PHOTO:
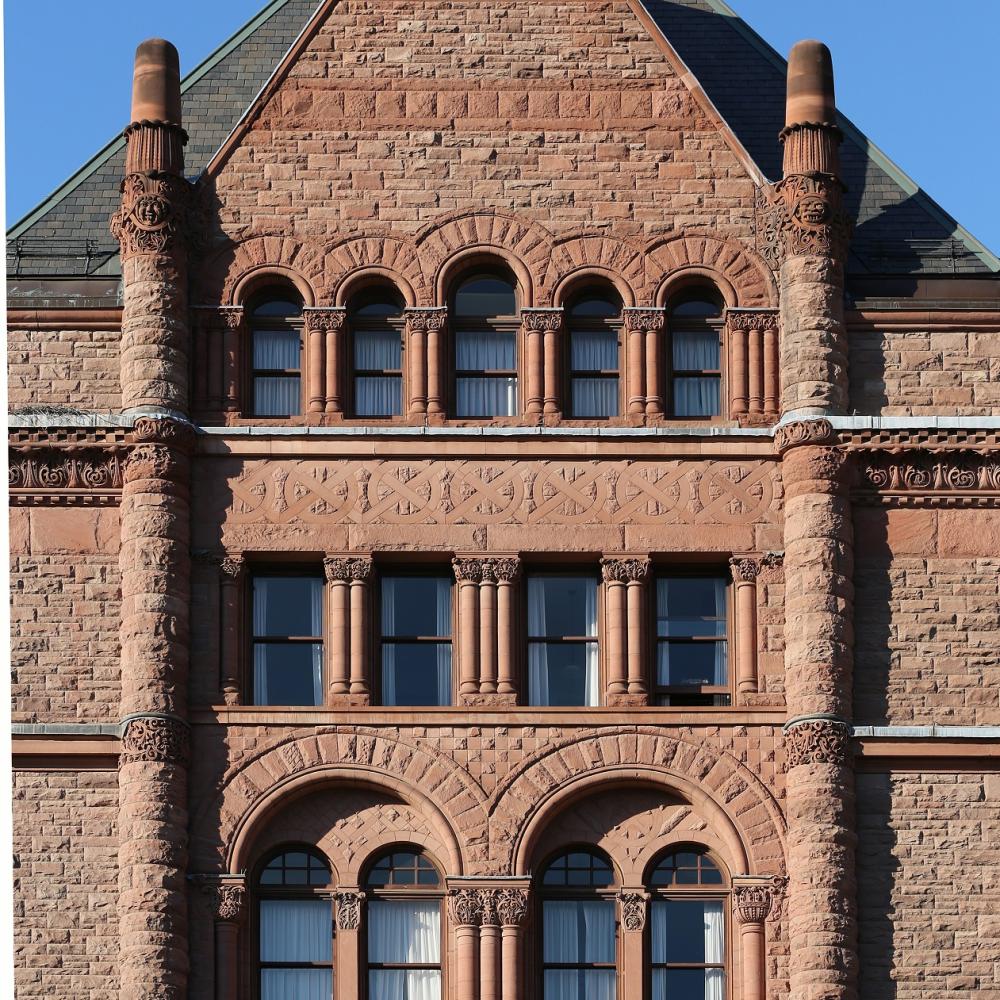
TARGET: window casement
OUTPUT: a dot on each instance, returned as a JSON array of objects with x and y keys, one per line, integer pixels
[
  {"x": 376, "y": 326},
  {"x": 287, "y": 638},
  {"x": 416, "y": 640},
  {"x": 485, "y": 330},
  {"x": 694, "y": 378},
  {"x": 692, "y": 644},
  {"x": 579, "y": 929},
  {"x": 563, "y": 661},
  {"x": 594, "y": 324},
  {"x": 295, "y": 927},
  {"x": 403, "y": 913},
  {"x": 687, "y": 928},
  {"x": 275, "y": 375}
]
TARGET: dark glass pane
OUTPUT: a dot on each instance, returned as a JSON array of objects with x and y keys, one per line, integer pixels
[
  {"x": 562, "y": 605},
  {"x": 710, "y": 875},
  {"x": 285, "y": 674},
  {"x": 416, "y": 605},
  {"x": 425, "y": 877},
  {"x": 689, "y": 699},
  {"x": 295, "y": 876},
  {"x": 593, "y": 305},
  {"x": 565, "y": 667},
  {"x": 377, "y": 305},
  {"x": 703, "y": 306},
  {"x": 270, "y": 877},
  {"x": 689, "y": 606},
  {"x": 680, "y": 664},
  {"x": 684, "y": 928},
  {"x": 486, "y": 295},
  {"x": 686, "y": 859},
  {"x": 296, "y": 860},
  {"x": 486, "y": 397},
  {"x": 285, "y": 605},
  {"x": 318, "y": 877},
  {"x": 278, "y": 307},
  {"x": 276, "y": 350},
  {"x": 416, "y": 673},
  {"x": 378, "y": 876},
  {"x": 679, "y": 984},
  {"x": 404, "y": 876}
]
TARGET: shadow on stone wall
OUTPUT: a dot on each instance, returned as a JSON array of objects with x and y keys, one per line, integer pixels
[{"x": 873, "y": 659}]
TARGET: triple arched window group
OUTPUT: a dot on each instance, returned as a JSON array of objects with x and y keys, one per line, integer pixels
[
  {"x": 574, "y": 950},
  {"x": 483, "y": 356}
]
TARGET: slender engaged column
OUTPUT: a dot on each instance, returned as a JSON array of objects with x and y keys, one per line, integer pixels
[
  {"x": 232, "y": 570},
  {"x": 756, "y": 370},
  {"x": 655, "y": 375},
  {"x": 233, "y": 334},
  {"x": 752, "y": 901},
  {"x": 632, "y": 905},
  {"x": 738, "y": 378},
  {"x": 416, "y": 345},
  {"x": 512, "y": 907},
  {"x": 635, "y": 361},
  {"x": 360, "y": 569},
  {"x": 772, "y": 390},
  {"x": 464, "y": 907},
  {"x": 635, "y": 601},
  {"x": 746, "y": 331},
  {"x": 507, "y": 571},
  {"x": 489, "y": 946},
  {"x": 339, "y": 573},
  {"x": 468, "y": 574},
  {"x": 614, "y": 588},
  {"x": 745, "y": 572},
  {"x": 435, "y": 320},
  {"x": 541, "y": 333},
  {"x": 229, "y": 905},
  {"x": 488, "y": 629},
  {"x": 553, "y": 369},
  {"x": 324, "y": 325},
  {"x": 350, "y": 904}
]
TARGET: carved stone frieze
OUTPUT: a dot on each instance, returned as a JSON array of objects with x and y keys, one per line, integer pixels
[
  {"x": 802, "y": 432},
  {"x": 349, "y": 903},
  {"x": 155, "y": 738},
  {"x": 633, "y": 910},
  {"x": 817, "y": 741},
  {"x": 512, "y": 906},
  {"x": 541, "y": 320},
  {"x": 324, "y": 318},
  {"x": 465, "y": 906},
  {"x": 154, "y": 214},
  {"x": 46, "y": 469},
  {"x": 961, "y": 475},
  {"x": 633, "y": 570},
  {"x": 426, "y": 319},
  {"x": 348, "y": 568}
]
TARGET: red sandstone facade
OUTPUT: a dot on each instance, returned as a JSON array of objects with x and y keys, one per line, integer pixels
[{"x": 842, "y": 776}]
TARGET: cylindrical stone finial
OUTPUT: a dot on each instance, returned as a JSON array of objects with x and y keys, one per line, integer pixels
[
  {"x": 810, "y": 95},
  {"x": 156, "y": 83}
]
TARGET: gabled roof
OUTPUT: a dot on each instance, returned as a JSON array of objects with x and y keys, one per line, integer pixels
[{"x": 899, "y": 230}]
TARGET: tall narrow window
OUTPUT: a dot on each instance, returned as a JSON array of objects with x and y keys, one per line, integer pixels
[
  {"x": 687, "y": 930},
  {"x": 578, "y": 928},
  {"x": 295, "y": 928},
  {"x": 562, "y": 640},
  {"x": 276, "y": 378},
  {"x": 485, "y": 325},
  {"x": 376, "y": 329},
  {"x": 404, "y": 928},
  {"x": 691, "y": 646},
  {"x": 594, "y": 321},
  {"x": 287, "y": 640},
  {"x": 695, "y": 323},
  {"x": 416, "y": 640}
]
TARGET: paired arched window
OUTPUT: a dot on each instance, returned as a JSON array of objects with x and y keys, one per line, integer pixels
[
  {"x": 276, "y": 353},
  {"x": 295, "y": 927},
  {"x": 404, "y": 891},
  {"x": 484, "y": 316},
  {"x": 694, "y": 381},
  {"x": 376, "y": 322},
  {"x": 593, "y": 323}
]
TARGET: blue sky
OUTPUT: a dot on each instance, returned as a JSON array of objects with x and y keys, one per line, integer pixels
[{"x": 918, "y": 76}]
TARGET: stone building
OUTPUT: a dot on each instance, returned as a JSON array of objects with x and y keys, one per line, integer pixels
[{"x": 509, "y": 513}]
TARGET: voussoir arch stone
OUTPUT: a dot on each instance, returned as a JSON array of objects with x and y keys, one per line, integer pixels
[
  {"x": 588, "y": 254},
  {"x": 396, "y": 257}
]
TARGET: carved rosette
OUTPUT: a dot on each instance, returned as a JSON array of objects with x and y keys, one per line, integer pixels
[
  {"x": 426, "y": 319},
  {"x": 752, "y": 902},
  {"x": 541, "y": 320},
  {"x": 817, "y": 741},
  {"x": 153, "y": 215},
  {"x": 323, "y": 319},
  {"x": 163, "y": 740},
  {"x": 633, "y": 910},
  {"x": 643, "y": 319},
  {"x": 634, "y": 570},
  {"x": 744, "y": 569},
  {"x": 349, "y": 903},
  {"x": 512, "y": 906},
  {"x": 228, "y": 901},
  {"x": 803, "y": 432},
  {"x": 465, "y": 907},
  {"x": 349, "y": 569},
  {"x": 802, "y": 215},
  {"x": 468, "y": 570}
]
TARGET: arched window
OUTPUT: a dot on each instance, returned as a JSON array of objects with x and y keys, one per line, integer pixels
[
  {"x": 694, "y": 320},
  {"x": 376, "y": 319},
  {"x": 404, "y": 927},
  {"x": 276, "y": 354},
  {"x": 578, "y": 928},
  {"x": 594, "y": 324},
  {"x": 687, "y": 926},
  {"x": 295, "y": 924},
  {"x": 485, "y": 325}
]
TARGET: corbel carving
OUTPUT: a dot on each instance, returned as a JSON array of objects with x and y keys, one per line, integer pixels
[
  {"x": 744, "y": 568},
  {"x": 817, "y": 741},
  {"x": 232, "y": 568},
  {"x": 802, "y": 432},
  {"x": 228, "y": 901},
  {"x": 752, "y": 319},
  {"x": 801, "y": 215},
  {"x": 349, "y": 903},
  {"x": 633, "y": 910},
  {"x": 161, "y": 739}
]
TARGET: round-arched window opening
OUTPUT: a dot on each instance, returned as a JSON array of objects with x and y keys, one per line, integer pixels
[
  {"x": 276, "y": 354},
  {"x": 694, "y": 383},
  {"x": 594, "y": 325},
  {"x": 376, "y": 322}
]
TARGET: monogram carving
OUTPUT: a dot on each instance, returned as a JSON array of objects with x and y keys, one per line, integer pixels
[
  {"x": 349, "y": 903},
  {"x": 625, "y": 570},
  {"x": 63, "y": 469},
  {"x": 752, "y": 902},
  {"x": 465, "y": 907},
  {"x": 802, "y": 432},
  {"x": 324, "y": 319},
  {"x": 512, "y": 906},
  {"x": 511, "y": 492},
  {"x": 347, "y": 569},
  {"x": 633, "y": 910},
  {"x": 153, "y": 214},
  {"x": 643, "y": 319},
  {"x": 967, "y": 473},
  {"x": 541, "y": 320},
  {"x": 817, "y": 741},
  {"x": 426, "y": 319},
  {"x": 152, "y": 738}
]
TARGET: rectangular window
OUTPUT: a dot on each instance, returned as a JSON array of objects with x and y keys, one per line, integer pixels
[
  {"x": 416, "y": 640},
  {"x": 687, "y": 950},
  {"x": 378, "y": 372},
  {"x": 287, "y": 640},
  {"x": 691, "y": 648},
  {"x": 296, "y": 949},
  {"x": 578, "y": 949},
  {"x": 562, "y": 640},
  {"x": 485, "y": 373},
  {"x": 697, "y": 377},
  {"x": 276, "y": 373},
  {"x": 593, "y": 359},
  {"x": 404, "y": 949}
]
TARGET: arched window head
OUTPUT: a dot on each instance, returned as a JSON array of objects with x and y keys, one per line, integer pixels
[
  {"x": 276, "y": 353},
  {"x": 687, "y": 926},
  {"x": 404, "y": 890},
  {"x": 484, "y": 327},
  {"x": 593, "y": 319},
  {"x": 579, "y": 943},
  {"x": 376, "y": 321},
  {"x": 294, "y": 917},
  {"x": 694, "y": 321}
]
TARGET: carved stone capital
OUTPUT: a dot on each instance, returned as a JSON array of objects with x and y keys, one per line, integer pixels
[
  {"x": 488, "y": 915},
  {"x": 632, "y": 570},
  {"x": 426, "y": 319},
  {"x": 349, "y": 903},
  {"x": 348, "y": 569},
  {"x": 465, "y": 907},
  {"x": 752, "y": 902},
  {"x": 163, "y": 740},
  {"x": 153, "y": 217},
  {"x": 468, "y": 570},
  {"x": 541, "y": 320},
  {"x": 505, "y": 570},
  {"x": 230, "y": 317},
  {"x": 512, "y": 906},
  {"x": 744, "y": 569},
  {"x": 752, "y": 319},
  {"x": 323, "y": 319},
  {"x": 817, "y": 741},
  {"x": 228, "y": 901},
  {"x": 633, "y": 910},
  {"x": 163, "y": 430},
  {"x": 232, "y": 568},
  {"x": 643, "y": 318},
  {"x": 802, "y": 215},
  {"x": 802, "y": 432}
]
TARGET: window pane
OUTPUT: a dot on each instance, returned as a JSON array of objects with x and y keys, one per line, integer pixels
[
  {"x": 485, "y": 350},
  {"x": 377, "y": 350},
  {"x": 296, "y": 984},
  {"x": 595, "y": 397},
  {"x": 277, "y": 396},
  {"x": 287, "y": 605},
  {"x": 595, "y": 306},
  {"x": 276, "y": 349},
  {"x": 687, "y": 931},
  {"x": 404, "y": 984},
  {"x": 404, "y": 932},
  {"x": 688, "y": 984},
  {"x": 286, "y": 673},
  {"x": 562, "y": 605},
  {"x": 416, "y": 673},
  {"x": 689, "y": 663},
  {"x": 562, "y": 673},
  {"x": 378, "y": 396},
  {"x": 486, "y": 295},
  {"x": 416, "y": 605},
  {"x": 593, "y": 350},
  {"x": 697, "y": 308},
  {"x": 578, "y": 931},
  {"x": 295, "y": 930},
  {"x": 378, "y": 307},
  {"x": 578, "y": 868},
  {"x": 690, "y": 605},
  {"x": 580, "y": 984},
  {"x": 278, "y": 307},
  {"x": 696, "y": 397},
  {"x": 486, "y": 397}
]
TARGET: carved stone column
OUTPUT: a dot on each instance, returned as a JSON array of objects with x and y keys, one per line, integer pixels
[
  {"x": 325, "y": 358},
  {"x": 417, "y": 321},
  {"x": 506, "y": 571},
  {"x": 464, "y": 908},
  {"x": 350, "y": 904},
  {"x": 745, "y": 571},
  {"x": 627, "y": 632},
  {"x": 430, "y": 323},
  {"x": 818, "y": 565},
  {"x": 488, "y": 629},
  {"x": 489, "y": 946},
  {"x": 232, "y": 570},
  {"x": 632, "y": 907},
  {"x": 512, "y": 907},
  {"x": 215, "y": 376},
  {"x": 752, "y": 339},
  {"x": 350, "y": 608},
  {"x": 643, "y": 378},
  {"x": 616, "y": 629},
  {"x": 468, "y": 574},
  {"x": 542, "y": 328},
  {"x": 229, "y": 905},
  {"x": 752, "y": 900}
]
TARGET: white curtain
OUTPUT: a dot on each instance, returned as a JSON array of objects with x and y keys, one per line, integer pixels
[
  {"x": 580, "y": 984},
  {"x": 276, "y": 349},
  {"x": 404, "y": 984},
  {"x": 593, "y": 350},
  {"x": 579, "y": 931},
  {"x": 377, "y": 350},
  {"x": 595, "y": 397},
  {"x": 696, "y": 397},
  {"x": 485, "y": 350},
  {"x": 404, "y": 932},
  {"x": 538, "y": 652},
  {"x": 696, "y": 350},
  {"x": 295, "y": 931},
  {"x": 486, "y": 397},
  {"x": 277, "y": 396},
  {"x": 714, "y": 944},
  {"x": 296, "y": 984},
  {"x": 378, "y": 395}
]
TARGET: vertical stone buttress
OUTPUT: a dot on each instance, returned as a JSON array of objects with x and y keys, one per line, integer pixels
[
  {"x": 818, "y": 540},
  {"x": 151, "y": 227}
]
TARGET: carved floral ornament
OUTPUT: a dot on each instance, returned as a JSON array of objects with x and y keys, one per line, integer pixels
[
  {"x": 475, "y": 570},
  {"x": 228, "y": 901},
  {"x": 801, "y": 215},
  {"x": 541, "y": 320},
  {"x": 45, "y": 469},
  {"x": 465, "y": 907},
  {"x": 633, "y": 910},
  {"x": 964, "y": 474},
  {"x": 754, "y": 902},
  {"x": 324, "y": 319},
  {"x": 625, "y": 570},
  {"x": 803, "y": 432},
  {"x": 744, "y": 569},
  {"x": 817, "y": 741},
  {"x": 160, "y": 739},
  {"x": 348, "y": 569},
  {"x": 643, "y": 319},
  {"x": 153, "y": 214},
  {"x": 349, "y": 903},
  {"x": 426, "y": 319},
  {"x": 752, "y": 319}
]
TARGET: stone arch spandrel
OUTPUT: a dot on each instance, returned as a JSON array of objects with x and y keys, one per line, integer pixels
[
  {"x": 739, "y": 265},
  {"x": 395, "y": 256},
  {"x": 708, "y": 777},
  {"x": 619, "y": 261},
  {"x": 257, "y": 786}
]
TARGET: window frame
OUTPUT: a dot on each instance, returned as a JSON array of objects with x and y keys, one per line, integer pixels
[
  {"x": 715, "y": 324},
  {"x": 376, "y": 324},
  {"x": 267, "y": 324},
  {"x": 659, "y": 691},
  {"x": 616, "y": 324}
]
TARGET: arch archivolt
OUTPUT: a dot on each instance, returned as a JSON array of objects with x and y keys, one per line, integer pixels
[
  {"x": 395, "y": 258},
  {"x": 575, "y": 258},
  {"x": 233, "y": 272}
]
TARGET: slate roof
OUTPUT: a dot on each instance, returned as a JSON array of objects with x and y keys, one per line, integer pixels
[{"x": 899, "y": 229}]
